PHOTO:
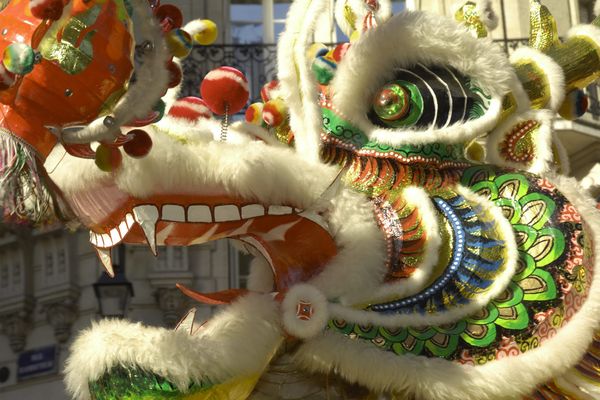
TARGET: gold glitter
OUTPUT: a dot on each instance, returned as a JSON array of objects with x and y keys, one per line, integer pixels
[
  {"x": 469, "y": 16},
  {"x": 534, "y": 81},
  {"x": 543, "y": 33}
]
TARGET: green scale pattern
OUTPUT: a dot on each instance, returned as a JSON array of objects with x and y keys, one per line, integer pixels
[
  {"x": 122, "y": 383},
  {"x": 534, "y": 214}
]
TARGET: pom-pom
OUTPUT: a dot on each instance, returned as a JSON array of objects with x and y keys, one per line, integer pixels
[
  {"x": 203, "y": 31},
  {"x": 47, "y": 9},
  {"x": 169, "y": 16},
  {"x": 575, "y": 105},
  {"x": 339, "y": 51},
  {"x": 179, "y": 43},
  {"x": 305, "y": 311},
  {"x": 324, "y": 68},
  {"x": 19, "y": 58},
  {"x": 190, "y": 109},
  {"x": 140, "y": 145},
  {"x": 7, "y": 78},
  {"x": 225, "y": 90},
  {"x": 266, "y": 93},
  {"x": 175, "y": 74},
  {"x": 274, "y": 112},
  {"x": 108, "y": 158},
  {"x": 254, "y": 114},
  {"x": 316, "y": 50}
]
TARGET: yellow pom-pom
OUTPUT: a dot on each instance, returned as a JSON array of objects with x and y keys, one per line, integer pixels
[
  {"x": 206, "y": 32},
  {"x": 179, "y": 43}
]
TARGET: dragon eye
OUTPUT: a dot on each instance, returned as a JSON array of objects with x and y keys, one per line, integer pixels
[
  {"x": 427, "y": 97},
  {"x": 398, "y": 104}
]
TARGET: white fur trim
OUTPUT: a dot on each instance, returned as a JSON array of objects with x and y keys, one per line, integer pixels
[
  {"x": 299, "y": 296},
  {"x": 440, "y": 318},
  {"x": 591, "y": 32},
  {"x": 231, "y": 344},
  {"x": 358, "y": 269},
  {"x": 401, "y": 43},
  {"x": 261, "y": 274},
  {"x": 298, "y": 86},
  {"x": 433, "y": 378},
  {"x": 592, "y": 179},
  {"x": 553, "y": 72},
  {"x": 152, "y": 81},
  {"x": 210, "y": 167},
  {"x": 543, "y": 156},
  {"x": 406, "y": 287}
]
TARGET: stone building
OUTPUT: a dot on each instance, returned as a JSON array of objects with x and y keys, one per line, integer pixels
[{"x": 47, "y": 276}]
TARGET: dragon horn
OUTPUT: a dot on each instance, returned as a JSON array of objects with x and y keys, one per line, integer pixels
[{"x": 549, "y": 69}]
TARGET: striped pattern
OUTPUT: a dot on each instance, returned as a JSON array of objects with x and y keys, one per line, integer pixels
[{"x": 448, "y": 97}]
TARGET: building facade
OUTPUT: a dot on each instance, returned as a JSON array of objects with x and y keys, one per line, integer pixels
[{"x": 47, "y": 276}]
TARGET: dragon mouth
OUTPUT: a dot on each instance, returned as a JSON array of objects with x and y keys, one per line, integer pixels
[{"x": 296, "y": 243}]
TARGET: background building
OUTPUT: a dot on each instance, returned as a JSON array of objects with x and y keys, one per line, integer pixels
[{"x": 47, "y": 276}]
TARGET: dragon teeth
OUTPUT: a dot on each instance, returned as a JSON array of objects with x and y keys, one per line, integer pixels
[
  {"x": 252, "y": 211},
  {"x": 106, "y": 259},
  {"x": 280, "y": 210},
  {"x": 227, "y": 213},
  {"x": 200, "y": 214},
  {"x": 147, "y": 217},
  {"x": 174, "y": 213}
]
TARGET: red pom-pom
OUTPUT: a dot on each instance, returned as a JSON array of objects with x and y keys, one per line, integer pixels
[
  {"x": 266, "y": 93},
  {"x": 274, "y": 112},
  {"x": 108, "y": 158},
  {"x": 340, "y": 51},
  {"x": 175, "y": 74},
  {"x": 190, "y": 109},
  {"x": 140, "y": 145},
  {"x": 169, "y": 16},
  {"x": 47, "y": 9},
  {"x": 225, "y": 89}
]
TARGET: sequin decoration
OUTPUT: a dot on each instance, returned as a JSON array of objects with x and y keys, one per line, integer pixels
[
  {"x": 550, "y": 285},
  {"x": 468, "y": 14},
  {"x": 69, "y": 42},
  {"x": 132, "y": 384},
  {"x": 477, "y": 255},
  {"x": 519, "y": 145}
]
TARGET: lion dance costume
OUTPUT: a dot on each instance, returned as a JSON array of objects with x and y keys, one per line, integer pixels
[{"x": 404, "y": 195}]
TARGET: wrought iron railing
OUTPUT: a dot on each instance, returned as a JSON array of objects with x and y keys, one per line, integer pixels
[{"x": 259, "y": 63}]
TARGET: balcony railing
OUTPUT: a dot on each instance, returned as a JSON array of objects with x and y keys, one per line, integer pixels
[{"x": 259, "y": 63}]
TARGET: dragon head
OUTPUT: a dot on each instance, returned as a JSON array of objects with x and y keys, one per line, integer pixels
[{"x": 384, "y": 248}]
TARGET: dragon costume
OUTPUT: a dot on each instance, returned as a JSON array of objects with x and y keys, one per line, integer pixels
[{"x": 414, "y": 233}]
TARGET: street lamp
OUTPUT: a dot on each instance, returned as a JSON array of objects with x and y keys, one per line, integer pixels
[{"x": 114, "y": 294}]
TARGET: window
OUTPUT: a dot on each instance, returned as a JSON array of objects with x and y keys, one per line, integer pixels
[
  {"x": 172, "y": 259},
  {"x": 257, "y": 21}
]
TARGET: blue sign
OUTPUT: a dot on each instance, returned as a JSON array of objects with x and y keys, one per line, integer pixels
[{"x": 37, "y": 362}]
